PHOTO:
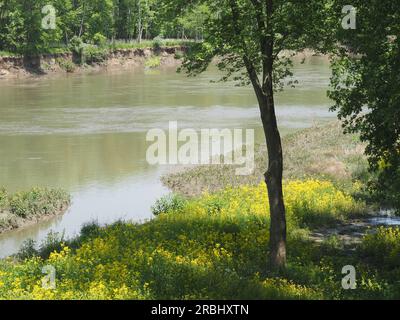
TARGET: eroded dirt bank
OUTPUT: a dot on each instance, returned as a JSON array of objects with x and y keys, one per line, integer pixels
[{"x": 18, "y": 67}]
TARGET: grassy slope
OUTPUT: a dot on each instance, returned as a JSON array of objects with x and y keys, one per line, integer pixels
[
  {"x": 110, "y": 47},
  {"x": 319, "y": 152},
  {"x": 213, "y": 247}
]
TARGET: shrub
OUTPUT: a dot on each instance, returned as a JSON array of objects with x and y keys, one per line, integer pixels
[
  {"x": 66, "y": 64},
  {"x": 99, "y": 40},
  {"x": 94, "y": 54},
  {"x": 38, "y": 201},
  {"x": 382, "y": 247},
  {"x": 315, "y": 202},
  {"x": 168, "y": 204},
  {"x": 158, "y": 43},
  {"x": 27, "y": 250},
  {"x": 308, "y": 203},
  {"x": 153, "y": 62},
  {"x": 3, "y": 198},
  {"x": 52, "y": 243},
  {"x": 385, "y": 185},
  {"x": 89, "y": 230},
  {"x": 77, "y": 46}
]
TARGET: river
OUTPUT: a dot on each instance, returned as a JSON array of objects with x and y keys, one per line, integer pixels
[{"x": 86, "y": 134}]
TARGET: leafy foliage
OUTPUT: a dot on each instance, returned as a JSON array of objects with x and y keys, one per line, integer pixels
[
  {"x": 169, "y": 203},
  {"x": 16, "y": 208},
  {"x": 365, "y": 89},
  {"x": 92, "y": 21},
  {"x": 232, "y": 33},
  {"x": 37, "y": 202}
]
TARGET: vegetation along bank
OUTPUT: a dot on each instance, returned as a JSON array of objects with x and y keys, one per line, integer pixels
[
  {"x": 211, "y": 244},
  {"x": 25, "y": 208},
  {"x": 91, "y": 58}
]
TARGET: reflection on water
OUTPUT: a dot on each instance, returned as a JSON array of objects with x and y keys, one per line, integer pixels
[
  {"x": 86, "y": 134},
  {"x": 386, "y": 221}
]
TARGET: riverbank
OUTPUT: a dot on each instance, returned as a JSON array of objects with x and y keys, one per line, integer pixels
[
  {"x": 320, "y": 152},
  {"x": 148, "y": 55},
  {"x": 215, "y": 245},
  {"x": 23, "y": 209},
  {"x": 113, "y": 59}
]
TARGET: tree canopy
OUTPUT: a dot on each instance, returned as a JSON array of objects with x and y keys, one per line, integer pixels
[
  {"x": 21, "y": 22},
  {"x": 366, "y": 92}
]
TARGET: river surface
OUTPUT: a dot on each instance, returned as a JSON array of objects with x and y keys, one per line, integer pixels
[{"x": 86, "y": 134}]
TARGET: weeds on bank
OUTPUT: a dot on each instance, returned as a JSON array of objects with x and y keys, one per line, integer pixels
[{"x": 211, "y": 247}]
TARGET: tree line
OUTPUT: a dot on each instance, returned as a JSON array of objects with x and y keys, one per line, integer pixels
[{"x": 94, "y": 21}]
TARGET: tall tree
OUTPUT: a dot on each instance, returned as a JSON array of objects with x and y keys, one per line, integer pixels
[
  {"x": 365, "y": 88},
  {"x": 9, "y": 22},
  {"x": 249, "y": 37},
  {"x": 23, "y": 27}
]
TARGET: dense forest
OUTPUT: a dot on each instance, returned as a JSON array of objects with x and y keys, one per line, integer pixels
[{"x": 94, "y": 21}]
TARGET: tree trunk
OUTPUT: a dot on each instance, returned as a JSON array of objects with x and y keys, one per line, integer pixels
[
  {"x": 265, "y": 96},
  {"x": 273, "y": 179},
  {"x": 82, "y": 19},
  {"x": 140, "y": 31}
]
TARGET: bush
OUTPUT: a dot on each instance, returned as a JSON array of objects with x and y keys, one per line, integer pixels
[
  {"x": 52, "y": 243},
  {"x": 27, "y": 250},
  {"x": 382, "y": 247},
  {"x": 3, "y": 198},
  {"x": 38, "y": 201},
  {"x": 315, "y": 202},
  {"x": 153, "y": 62},
  {"x": 168, "y": 204},
  {"x": 94, "y": 54},
  {"x": 99, "y": 40},
  {"x": 67, "y": 65},
  {"x": 77, "y": 46},
  {"x": 158, "y": 43},
  {"x": 385, "y": 185}
]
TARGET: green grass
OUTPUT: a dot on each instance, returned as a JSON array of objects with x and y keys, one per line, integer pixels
[
  {"x": 321, "y": 152},
  {"x": 7, "y": 54},
  {"x": 66, "y": 64},
  {"x": 19, "y": 208},
  {"x": 152, "y": 62},
  {"x": 211, "y": 247},
  {"x": 116, "y": 45},
  {"x": 148, "y": 44}
]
